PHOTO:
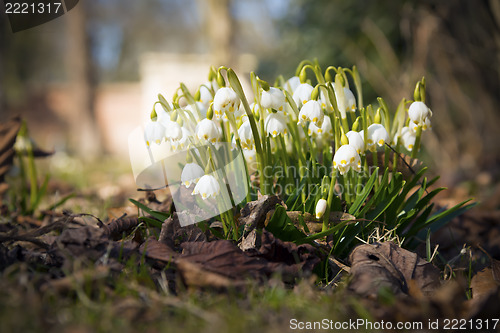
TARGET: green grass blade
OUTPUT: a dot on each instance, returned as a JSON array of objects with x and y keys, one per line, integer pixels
[
  {"x": 360, "y": 199},
  {"x": 157, "y": 215}
]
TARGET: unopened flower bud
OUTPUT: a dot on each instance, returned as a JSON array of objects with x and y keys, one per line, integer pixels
[{"x": 320, "y": 208}]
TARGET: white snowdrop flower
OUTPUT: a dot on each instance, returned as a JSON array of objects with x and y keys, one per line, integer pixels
[
  {"x": 250, "y": 155},
  {"x": 275, "y": 124},
  {"x": 173, "y": 131},
  {"x": 208, "y": 131},
  {"x": 205, "y": 95},
  {"x": 251, "y": 159},
  {"x": 356, "y": 140},
  {"x": 153, "y": 132},
  {"x": 320, "y": 208},
  {"x": 291, "y": 84},
  {"x": 302, "y": 94},
  {"x": 246, "y": 135},
  {"x": 273, "y": 98},
  {"x": 323, "y": 99},
  {"x": 191, "y": 174},
  {"x": 377, "y": 135},
  {"x": 201, "y": 107},
  {"x": 340, "y": 97},
  {"x": 325, "y": 131},
  {"x": 350, "y": 100},
  {"x": 207, "y": 187},
  {"x": 225, "y": 100},
  {"x": 412, "y": 126},
  {"x": 427, "y": 124},
  {"x": 183, "y": 141},
  {"x": 408, "y": 138},
  {"x": 312, "y": 111},
  {"x": 419, "y": 112},
  {"x": 241, "y": 114},
  {"x": 345, "y": 158}
]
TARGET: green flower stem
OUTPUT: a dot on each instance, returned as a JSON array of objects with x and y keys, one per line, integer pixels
[
  {"x": 236, "y": 85},
  {"x": 328, "y": 77},
  {"x": 345, "y": 125},
  {"x": 227, "y": 217},
  {"x": 375, "y": 163},
  {"x": 163, "y": 102},
  {"x": 416, "y": 147},
  {"x": 248, "y": 196},
  {"x": 190, "y": 99},
  {"x": 294, "y": 131},
  {"x": 346, "y": 180},
  {"x": 352, "y": 117},
  {"x": 364, "y": 114},
  {"x": 337, "y": 133},
  {"x": 331, "y": 195},
  {"x": 301, "y": 65},
  {"x": 281, "y": 147},
  {"x": 395, "y": 157},
  {"x": 387, "y": 156},
  {"x": 357, "y": 83},
  {"x": 386, "y": 114}
]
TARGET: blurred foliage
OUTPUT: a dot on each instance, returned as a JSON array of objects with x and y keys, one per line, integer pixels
[{"x": 454, "y": 44}]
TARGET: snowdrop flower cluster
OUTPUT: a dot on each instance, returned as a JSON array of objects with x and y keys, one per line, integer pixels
[{"x": 287, "y": 123}]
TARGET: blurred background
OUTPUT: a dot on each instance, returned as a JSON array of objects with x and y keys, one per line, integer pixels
[{"x": 84, "y": 81}]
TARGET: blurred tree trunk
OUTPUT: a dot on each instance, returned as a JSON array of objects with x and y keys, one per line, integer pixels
[
  {"x": 219, "y": 26},
  {"x": 85, "y": 134}
]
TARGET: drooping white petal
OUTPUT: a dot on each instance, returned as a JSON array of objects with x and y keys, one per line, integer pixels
[
  {"x": 205, "y": 95},
  {"x": 207, "y": 187},
  {"x": 325, "y": 131},
  {"x": 246, "y": 135},
  {"x": 356, "y": 141},
  {"x": 208, "y": 131},
  {"x": 273, "y": 98},
  {"x": 225, "y": 100},
  {"x": 408, "y": 138},
  {"x": 153, "y": 132},
  {"x": 275, "y": 124},
  {"x": 191, "y": 174},
  {"x": 302, "y": 94},
  {"x": 377, "y": 135},
  {"x": 350, "y": 100},
  {"x": 173, "y": 131},
  {"x": 291, "y": 84},
  {"x": 345, "y": 158},
  {"x": 312, "y": 111},
  {"x": 419, "y": 112},
  {"x": 183, "y": 141}
]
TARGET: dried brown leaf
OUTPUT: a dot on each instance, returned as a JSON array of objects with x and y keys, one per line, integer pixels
[
  {"x": 156, "y": 250},
  {"x": 486, "y": 281},
  {"x": 117, "y": 227},
  {"x": 387, "y": 265},
  {"x": 253, "y": 215}
]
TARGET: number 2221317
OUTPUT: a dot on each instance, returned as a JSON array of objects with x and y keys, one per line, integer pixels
[
  {"x": 471, "y": 324},
  {"x": 33, "y": 8}
]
